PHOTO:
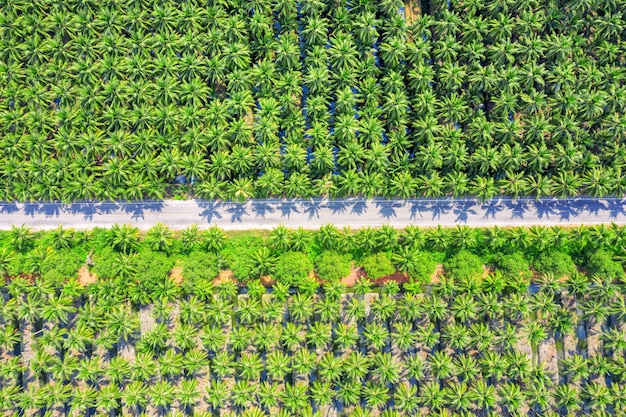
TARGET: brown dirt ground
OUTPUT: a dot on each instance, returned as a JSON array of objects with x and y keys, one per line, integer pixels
[
  {"x": 358, "y": 273},
  {"x": 399, "y": 277},
  {"x": 486, "y": 271},
  {"x": 223, "y": 276},
  {"x": 355, "y": 274},
  {"x": 412, "y": 10},
  {"x": 176, "y": 274},
  {"x": 267, "y": 280},
  {"x": 435, "y": 278},
  {"x": 85, "y": 277}
]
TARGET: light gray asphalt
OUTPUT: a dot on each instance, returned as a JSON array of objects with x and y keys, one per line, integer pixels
[{"x": 313, "y": 213}]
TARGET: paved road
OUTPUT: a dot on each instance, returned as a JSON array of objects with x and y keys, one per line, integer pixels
[{"x": 312, "y": 213}]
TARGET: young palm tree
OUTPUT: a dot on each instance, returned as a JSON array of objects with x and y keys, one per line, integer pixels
[
  {"x": 124, "y": 238},
  {"x": 159, "y": 238}
]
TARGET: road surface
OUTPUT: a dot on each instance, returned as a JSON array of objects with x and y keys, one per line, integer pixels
[{"x": 313, "y": 213}]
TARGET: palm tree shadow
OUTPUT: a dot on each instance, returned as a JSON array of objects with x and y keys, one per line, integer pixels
[
  {"x": 237, "y": 211},
  {"x": 85, "y": 208},
  {"x": 616, "y": 208},
  {"x": 491, "y": 207},
  {"x": 440, "y": 208},
  {"x": 261, "y": 209},
  {"x": 30, "y": 209},
  {"x": 544, "y": 208},
  {"x": 417, "y": 207},
  {"x": 387, "y": 209},
  {"x": 107, "y": 207},
  {"x": 313, "y": 208},
  {"x": 518, "y": 208},
  {"x": 49, "y": 209},
  {"x": 568, "y": 209},
  {"x": 594, "y": 206},
  {"x": 337, "y": 207},
  {"x": 211, "y": 210},
  {"x": 286, "y": 207},
  {"x": 359, "y": 207},
  {"x": 134, "y": 209},
  {"x": 8, "y": 208},
  {"x": 463, "y": 209}
]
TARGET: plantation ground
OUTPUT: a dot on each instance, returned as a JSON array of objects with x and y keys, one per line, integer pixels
[{"x": 486, "y": 348}]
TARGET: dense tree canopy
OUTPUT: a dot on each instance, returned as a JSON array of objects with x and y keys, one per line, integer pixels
[{"x": 235, "y": 99}]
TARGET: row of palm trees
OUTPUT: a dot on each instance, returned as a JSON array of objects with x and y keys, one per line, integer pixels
[
  {"x": 233, "y": 100},
  {"x": 128, "y": 239},
  {"x": 26, "y": 252}
]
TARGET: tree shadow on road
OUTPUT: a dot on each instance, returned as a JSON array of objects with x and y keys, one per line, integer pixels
[
  {"x": 286, "y": 208},
  {"x": 616, "y": 208},
  {"x": 359, "y": 207},
  {"x": 261, "y": 209},
  {"x": 387, "y": 209},
  {"x": 337, "y": 207},
  {"x": 593, "y": 207},
  {"x": 518, "y": 208},
  {"x": 440, "y": 208},
  {"x": 568, "y": 209},
  {"x": 417, "y": 208},
  {"x": 492, "y": 208},
  {"x": 8, "y": 208},
  {"x": 237, "y": 211},
  {"x": 544, "y": 208},
  {"x": 211, "y": 210},
  {"x": 312, "y": 208},
  {"x": 137, "y": 209},
  {"x": 463, "y": 209}
]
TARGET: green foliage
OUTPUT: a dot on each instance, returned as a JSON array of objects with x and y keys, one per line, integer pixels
[
  {"x": 231, "y": 100},
  {"x": 62, "y": 264},
  {"x": 237, "y": 255},
  {"x": 292, "y": 268},
  {"x": 424, "y": 267},
  {"x": 513, "y": 266},
  {"x": 150, "y": 277},
  {"x": 200, "y": 266},
  {"x": 601, "y": 262},
  {"x": 464, "y": 264},
  {"x": 152, "y": 267},
  {"x": 104, "y": 263},
  {"x": 553, "y": 262},
  {"x": 332, "y": 266},
  {"x": 378, "y": 265}
]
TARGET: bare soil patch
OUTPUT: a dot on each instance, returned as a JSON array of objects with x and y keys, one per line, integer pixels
[
  {"x": 412, "y": 10},
  {"x": 267, "y": 281},
  {"x": 399, "y": 277},
  {"x": 355, "y": 275},
  {"x": 486, "y": 271},
  {"x": 176, "y": 274},
  {"x": 435, "y": 278},
  {"x": 85, "y": 277},
  {"x": 223, "y": 276}
]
